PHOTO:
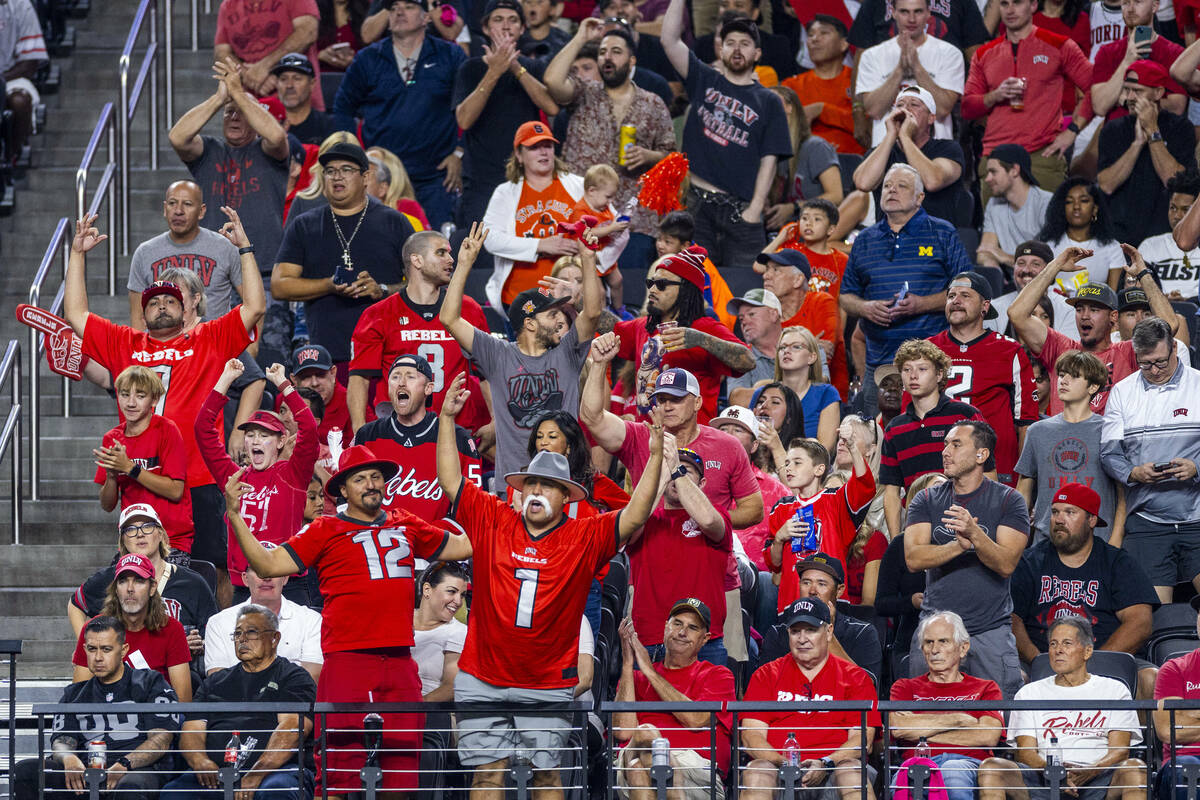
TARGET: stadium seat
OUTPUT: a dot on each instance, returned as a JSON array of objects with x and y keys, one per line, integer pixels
[
  {"x": 1172, "y": 647},
  {"x": 970, "y": 241},
  {"x": 615, "y": 592},
  {"x": 847, "y": 163},
  {"x": 206, "y": 571},
  {"x": 635, "y": 286},
  {"x": 1173, "y": 622},
  {"x": 741, "y": 281},
  {"x": 1108, "y": 663},
  {"x": 995, "y": 277}
]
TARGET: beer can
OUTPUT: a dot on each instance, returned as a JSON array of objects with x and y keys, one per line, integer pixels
[
  {"x": 97, "y": 754},
  {"x": 626, "y": 137}
]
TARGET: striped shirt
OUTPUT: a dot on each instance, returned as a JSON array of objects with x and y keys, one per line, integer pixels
[
  {"x": 924, "y": 254},
  {"x": 20, "y": 34},
  {"x": 912, "y": 445}
]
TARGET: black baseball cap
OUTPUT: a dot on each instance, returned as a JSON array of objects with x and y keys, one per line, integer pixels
[
  {"x": 311, "y": 356},
  {"x": 494, "y": 5},
  {"x": 980, "y": 285},
  {"x": 530, "y": 302},
  {"x": 697, "y": 607},
  {"x": 1098, "y": 293},
  {"x": 1132, "y": 297},
  {"x": 294, "y": 62},
  {"x": 825, "y": 563},
  {"x": 415, "y": 361},
  {"x": 809, "y": 610},
  {"x": 1035, "y": 248},
  {"x": 1015, "y": 154},
  {"x": 422, "y": 3},
  {"x": 344, "y": 151},
  {"x": 744, "y": 25}
]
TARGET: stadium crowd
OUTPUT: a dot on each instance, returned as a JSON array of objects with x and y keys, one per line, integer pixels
[{"x": 904, "y": 409}]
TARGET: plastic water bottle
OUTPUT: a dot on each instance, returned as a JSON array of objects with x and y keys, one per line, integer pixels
[
  {"x": 660, "y": 752},
  {"x": 1054, "y": 752},
  {"x": 922, "y": 750},
  {"x": 791, "y": 751}
]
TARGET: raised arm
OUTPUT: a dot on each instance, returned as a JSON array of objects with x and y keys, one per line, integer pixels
[
  {"x": 254, "y": 296},
  {"x": 451, "y": 313},
  {"x": 449, "y": 468},
  {"x": 641, "y": 502},
  {"x": 672, "y": 38},
  {"x": 606, "y": 427},
  {"x": 75, "y": 298},
  {"x": 593, "y": 291},
  {"x": 1030, "y": 330},
  {"x": 1159, "y": 304},
  {"x": 558, "y": 72},
  {"x": 274, "y": 137},
  {"x": 185, "y": 134},
  {"x": 695, "y": 501}
]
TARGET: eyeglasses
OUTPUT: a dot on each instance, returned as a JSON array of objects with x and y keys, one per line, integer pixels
[
  {"x": 252, "y": 635},
  {"x": 661, "y": 284},
  {"x": 344, "y": 172},
  {"x": 791, "y": 348},
  {"x": 1154, "y": 366},
  {"x": 140, "y": 530},
  {"x": 617, "y": 20}
]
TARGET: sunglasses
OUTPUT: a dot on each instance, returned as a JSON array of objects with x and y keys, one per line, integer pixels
[{"x": 660, "y": 284}]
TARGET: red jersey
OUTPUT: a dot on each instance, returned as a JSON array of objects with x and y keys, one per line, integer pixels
[
  {"x": 529, "y": 592},
  {"x": 366, "y": 576},
  {"x": 415, "y": 487},
  {"x": 993, "y": 374},
  {"x": 650, "y": 358},
  {"x": 673, "y": 558},
  {"x": 159, "y": 449},
  {"x": 701, "y": 682},
  {"x": 1119, "y": 359},
  {"x": 967, "y": 689},
  {"x": 819, "y": 733},
  {"x": 1175, "y": 680},
  {"x": 157, "y": 650},
  {"x": 835, "y": 514},
  {"x": 337, "y": 415},
  {"x": 188, "y": 364},
  {"x": 396, "y": 326},
  {"x": 275, "y": 509}
]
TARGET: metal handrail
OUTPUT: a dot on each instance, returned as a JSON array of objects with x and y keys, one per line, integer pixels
[
  {"x": 102, "y": 130},
  {"x": 147, "y": 10},
  {"x": 59, "y": 246},
  {"x": 10, "y": 365}
]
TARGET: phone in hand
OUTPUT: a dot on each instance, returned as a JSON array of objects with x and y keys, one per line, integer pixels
[
  {"x": 903, "y": 293},
  {"x": 1162, "y": 466},
  {"x": 1142, "y": 34},
  {"x": 344, "y": 275}
]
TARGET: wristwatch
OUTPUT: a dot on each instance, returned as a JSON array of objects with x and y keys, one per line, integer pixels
[
  {"x": 678, "y": 472},
  {"x": 1156, "y": 136},
  {"x": 124, "y": 762},
  {"x": 827, "y": 762},
  {"x": 133, "y": 473},
  {"x": 383, "y": 286}
]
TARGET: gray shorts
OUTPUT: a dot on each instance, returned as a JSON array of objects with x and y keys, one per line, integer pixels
[
  {"x": 1169, "y": 553},
  {"x": 1039, "y": 789},
  {"x": 487, "y": 736},
  {"x": 993, "y": 655},
  {"x": 827, "y": 790}
]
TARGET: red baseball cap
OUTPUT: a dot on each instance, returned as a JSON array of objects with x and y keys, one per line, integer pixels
[
  {"x": 161, "y": 287},
  {"x": 274, "y": 107},
  {"x": 687, "y": 264},
  {"x": 138, "y": 565},
  {"x": 533, "y": 132},
  {"x": 267, "y": 420},
  {"x": 1084, "y": 497},
  {"x": 1148, "y": 73}
]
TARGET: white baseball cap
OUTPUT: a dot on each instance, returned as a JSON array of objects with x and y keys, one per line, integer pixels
[
  {"x": 923, "y": 94},
  {"x": 139, "y": 510},
  {"x": 739, "y": 414}
]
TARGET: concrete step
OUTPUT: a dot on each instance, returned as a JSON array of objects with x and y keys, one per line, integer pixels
[
  {"x": 32, "y": 628},
  {"x": 48, "y": 657},
  {"x": 42, "y": 601},
  {"x": 24, "y": 565}
]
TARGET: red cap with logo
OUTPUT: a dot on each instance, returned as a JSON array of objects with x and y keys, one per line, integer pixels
[
  {"x": 138, "y": 565},
  {"x": 687, "y": 264},
  {"x": 1084, "y": 497}
]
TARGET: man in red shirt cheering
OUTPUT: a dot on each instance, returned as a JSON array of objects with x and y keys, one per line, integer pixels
[{"x": 532, "y": 573}]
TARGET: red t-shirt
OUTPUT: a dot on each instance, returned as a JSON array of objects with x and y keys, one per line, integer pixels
[
  {"x": 701, "y": 682},
  {"x": 396, "y": 326},
  {"x": 819, "y": 313},
  {"x": 366, "y": 576},
  {"x": 1162, "y": 51},
  {"x": 157, "y": 650},
  {"x": 158, "y": 449},
  {"x": 254, "y": 29},
  {"x": 1080, "y": 34},
  {"x": 856, "y": 567},
  {"x": 529, "y": 592},
  {"x": 650, "y": 358},
  {"x": 834, "y": 513},
  {"x": 967, "y": 689},
  {"x": 189, "y": 365},
  {"x": 1186, "y": 13},
  {"x": 818, "y": 733},
  {"x": 993, "y": 374},
  {"x": 275, "y": 509},
  {"x": 1175, "y": 680},
  {"x": 673, "y": 558},
  {"x": 1119, "y": 359}
]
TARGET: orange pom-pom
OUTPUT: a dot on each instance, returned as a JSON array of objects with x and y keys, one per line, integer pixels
[{"x": 659, "y": 187}]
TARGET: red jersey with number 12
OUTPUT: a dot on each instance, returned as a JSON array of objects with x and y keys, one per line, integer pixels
[
  {"x": 529, "y": 592},
  {"x": 366, "y": 576}
]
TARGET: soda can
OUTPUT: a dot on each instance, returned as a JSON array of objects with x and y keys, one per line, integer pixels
[
  {"x": 97, "y": 754},
  {"x": 626, "y": 137}
]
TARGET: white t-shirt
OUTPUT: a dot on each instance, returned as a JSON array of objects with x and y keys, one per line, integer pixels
[
  {"x": 1176, "y": 273},
  {"x": 587, "y": 647},
  {"x": 430, "y": 648},
  {"x": 942, "y": 60},
  {"x": 299, "y": 636},
  {"x": 1106, "y": 257},
  {"x": 1064, "y": 315},
  {"x": 1082, "y": 735},
  {"x": 1107, "y": 25}
]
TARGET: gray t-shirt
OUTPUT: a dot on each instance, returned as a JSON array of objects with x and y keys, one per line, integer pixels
[
  {"x": 210, "y": 255},
  {"x": 964, "y": 585},
  {"x": 816, "y": 155},
  {"x": 1015, "y": 225},
  {"x": 523, "y": 387},
  {"x": 1058, "y": 452}
]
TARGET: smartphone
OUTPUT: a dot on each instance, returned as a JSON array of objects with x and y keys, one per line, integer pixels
[
  {"x": 343, "y": 275},
  {"x": 1162, "y": 466},
  {"x": 903, "y": 293},
  {"x": 340, "y": 46},
  {"x": 1142, "y": 34}
]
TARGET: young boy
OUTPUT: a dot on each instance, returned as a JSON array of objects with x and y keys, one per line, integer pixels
[
  {"x": 600, "y": 184},
  {"x": 275, "y": 509},
  {"x": 810, "y": 235},
  {"x": 1063, "y": 449},
  {"x": 144, "y": 460},
  {"x": 836, "y": 515}
]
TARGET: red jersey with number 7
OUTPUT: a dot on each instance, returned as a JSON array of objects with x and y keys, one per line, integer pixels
[
  {"x": 530, "y": 592},
  {"x": 367, "y": 576}
]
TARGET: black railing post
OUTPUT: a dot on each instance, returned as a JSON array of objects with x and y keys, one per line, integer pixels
[
  {"x": 521, "y": 770},
  {"x": 918, "y": 780},
  {"x": 94, "y": 777},
  {"x": 1191, "y": 773},
  {"x": 371, "y": 774},
  {"x": 228, "y": 776},
  {"x": 789, "y": 776},
  {"x": 1055, "y": 774}
]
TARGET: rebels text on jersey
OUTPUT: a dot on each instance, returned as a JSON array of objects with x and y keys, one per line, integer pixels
[
  {"x": 415, "y": 487},
  {"x": 366, "y": 576}
]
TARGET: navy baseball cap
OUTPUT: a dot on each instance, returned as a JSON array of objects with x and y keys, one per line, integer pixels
[
  {"x": 788, "y": 258},
  {"x": 311, "y": 356}
]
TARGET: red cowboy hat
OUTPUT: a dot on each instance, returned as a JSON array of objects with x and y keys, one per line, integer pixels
[{"x": 354, "y": 459}]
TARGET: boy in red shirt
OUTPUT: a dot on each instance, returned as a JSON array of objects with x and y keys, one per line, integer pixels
[{"x": 144, "y": 460}]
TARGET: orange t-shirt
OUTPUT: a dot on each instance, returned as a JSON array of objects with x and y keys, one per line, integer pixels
[
  {"x": 538, "y": 215},
  {"x": 836, "y": 122},
  {"x": 827, "y": 268},
  {"x": 582, "y": 209}
]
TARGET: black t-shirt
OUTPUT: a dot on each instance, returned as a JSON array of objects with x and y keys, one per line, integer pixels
[
  {"x": 653, "y": 82},
  {"x": 186, "y": 595},
  {"x": 777, "y": 53},
  {"x": 951, "y": 203},
  {"x": 316, "y": 126},
  {"x": 310, "y": 241},
  {"x": 282, "y": 682},
  {"x": 956, "y": 21},
  {"x": 857, "y": 638},
  {"x": 543, "y": 49},
  {"x": 651, "y": 55},
  {"x": 1139, "y": 205},
  {"x": 487, "y": 144},
  {"x": 121, "y": 732},
  {"x": 1044, "y": 589}
]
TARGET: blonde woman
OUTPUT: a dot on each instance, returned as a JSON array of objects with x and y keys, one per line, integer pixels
[
  {"x": 798, "y": 367},
  {"x": 388, "y": 181}
]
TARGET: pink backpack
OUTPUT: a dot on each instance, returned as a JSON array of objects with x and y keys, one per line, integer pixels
[{"x": 935, "y": 788}]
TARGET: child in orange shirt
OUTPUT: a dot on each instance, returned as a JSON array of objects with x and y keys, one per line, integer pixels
[
  {"x": 600, "y": 184},
  {"x": 810, "y": 235}
]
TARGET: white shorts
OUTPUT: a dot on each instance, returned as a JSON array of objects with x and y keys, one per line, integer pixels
[
  {"x": 692, "y": 775},
  {"x": 25, "y": 85}
]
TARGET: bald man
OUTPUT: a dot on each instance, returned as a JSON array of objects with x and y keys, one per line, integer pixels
[{"x": 188, "y": 246}]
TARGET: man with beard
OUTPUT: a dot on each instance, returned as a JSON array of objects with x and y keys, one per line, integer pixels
[
  {"x": 1029, "y": 259},
  {"x": 408, "y": 436},
  {"x": 407, "y": 322},
  {"x": 599, "y": 108},
  {"x": 365, "y": 559},
  {"x": 1075, "y": 572},
  {"x": 968, "y": 534},
  {"x": 294, "y": 79},
  {"x": 990, "y": 371},
  {"x": 187, "y": 361},
  {"x": 531, "y": 571},
  {"x": 538, "y": 372},
  {"x": 732, "y": 157}
]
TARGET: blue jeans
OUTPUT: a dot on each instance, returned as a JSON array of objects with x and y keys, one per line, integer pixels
[
  {"x": 959, "y": 775},
  {"x": 1167, "y": 779},
  {"x": 592, "y": 609},
  {"x": 713, "y": 652},
  {"x": 273, "y": 787},
  {"x": 437, "y": 203}
]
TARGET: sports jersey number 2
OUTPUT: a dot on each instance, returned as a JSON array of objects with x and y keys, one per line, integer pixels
[
  {"x": 958, "y": 383},
  {"x": 163, "y": 371},
  {"x": 394, "y": 547},
  {"x": 527, "y": 597},
  {"x": 436, "y": 356}
]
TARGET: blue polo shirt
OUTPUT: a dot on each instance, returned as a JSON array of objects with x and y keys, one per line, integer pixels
[
  {"x": 414, "y": 120},
  {"x": 926, "y": 253}
]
